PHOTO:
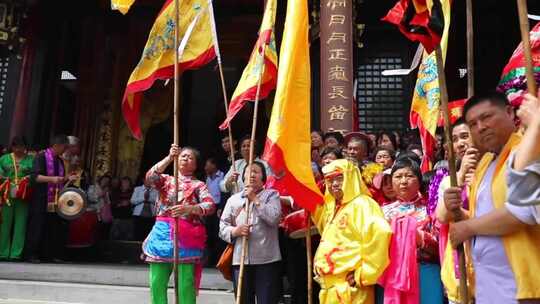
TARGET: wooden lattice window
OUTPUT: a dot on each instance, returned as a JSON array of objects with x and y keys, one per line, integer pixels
[{"x": 380, "y": 99}]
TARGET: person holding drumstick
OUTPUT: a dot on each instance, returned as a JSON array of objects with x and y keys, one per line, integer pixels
[{"x": 47, "y": 230}]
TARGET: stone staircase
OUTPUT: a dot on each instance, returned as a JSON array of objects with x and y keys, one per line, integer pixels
[{"x": 22, "y": 283}]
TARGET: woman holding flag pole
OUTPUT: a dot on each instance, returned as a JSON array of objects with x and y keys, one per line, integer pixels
[
  {"x": 198, "y": 47},
  {"x": 257, "y": 81}
]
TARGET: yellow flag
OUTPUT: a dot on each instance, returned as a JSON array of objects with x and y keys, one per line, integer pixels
[
  {"x": 426, "y": 101},
  {"x": 157, "y": 61},
  {"x": 121, "y": 5},
  {"x": 247, "y": 86},
  {"x": 288, "y": 142}
]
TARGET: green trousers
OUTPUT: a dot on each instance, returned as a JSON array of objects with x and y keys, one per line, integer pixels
[
  {"x": 159, "y": 282},
  {"x": 13, "y": 220}
]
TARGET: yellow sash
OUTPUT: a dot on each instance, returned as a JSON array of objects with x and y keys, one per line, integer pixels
[{"x": 522, "y": 247}]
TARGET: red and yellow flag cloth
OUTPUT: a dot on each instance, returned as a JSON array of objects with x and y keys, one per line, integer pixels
[
  {"x": 288, "y": 142},
  {"x": 247, "y": 86},
  {"x": 455, "y": 109},
  {"x": 121, "y": 5},
  {"x": 157, "y": 61},
  {"x": 426, "y": 101},
  {"x": 419, "y": 20}
]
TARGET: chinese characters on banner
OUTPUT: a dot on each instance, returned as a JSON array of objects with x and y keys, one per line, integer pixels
[{"x": 336, "y": 65}]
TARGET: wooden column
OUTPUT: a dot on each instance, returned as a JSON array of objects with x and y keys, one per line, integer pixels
[{"x": 336, "y": 65}]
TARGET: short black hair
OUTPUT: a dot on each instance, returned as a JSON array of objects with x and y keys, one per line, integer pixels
[
  {"x": 495, "y": 98},
  {"x": 426, "y": 178},
  {"x": 127, "y": 178},
  {"x": 226, "y": 136},
  {"x": 255, "y": 146},
  {"x": 338, "y": 136},
  {"x": 19, "y": 141},
  {"x": 460, "y": 121},
  {"x": 195, "y": 152},
  {"x": 245, "y": 137},
  {"x": 390, "y": 151},
  {"x": 212, "y": 160},
  {"x": 103, "y": 177},
  {"x": 60, "y": 139},
  {"x": 406, "y": 162},
  {"x": 263, "y": 171},
  {"x": 334, "y": 151},
  {"x": 390, "y": 135},
  {"x": 321, "y": 133},
  {"x": 410, "y": 155}
]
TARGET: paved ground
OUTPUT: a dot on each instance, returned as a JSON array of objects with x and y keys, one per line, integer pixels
[
  {"x": 22, "y": 283},
  {"x": 104, "y": 274}
]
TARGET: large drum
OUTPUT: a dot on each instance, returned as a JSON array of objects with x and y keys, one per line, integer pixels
[
  {"x": 83, "y": 230},
  {"x": 295, "y": 225}
]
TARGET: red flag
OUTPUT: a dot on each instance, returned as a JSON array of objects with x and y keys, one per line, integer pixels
[
  {"x": 456, "y": 111},
  {"x": 419, "y": 20}
]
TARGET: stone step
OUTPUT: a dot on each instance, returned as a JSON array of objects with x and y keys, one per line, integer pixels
[
  {"x": 34, "y": 292},
  {"x": 102, "y": 274}
]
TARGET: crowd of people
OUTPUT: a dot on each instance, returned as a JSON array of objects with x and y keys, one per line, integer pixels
[
  {"x": 386, "y": 230},
  {"x": 115, "y": 210}
]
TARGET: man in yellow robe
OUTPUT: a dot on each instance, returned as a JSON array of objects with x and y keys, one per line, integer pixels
[
  {"x": 504, "y": 250},
  {"x": 355, "y": 237}
]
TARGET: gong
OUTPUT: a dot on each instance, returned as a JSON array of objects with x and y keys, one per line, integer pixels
[{"x": 71, "y": 203}]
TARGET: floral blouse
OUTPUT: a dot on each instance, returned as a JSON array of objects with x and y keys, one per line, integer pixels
[
  {"x": 191, "y": 191},
  {"x": 428, "y": 248}
]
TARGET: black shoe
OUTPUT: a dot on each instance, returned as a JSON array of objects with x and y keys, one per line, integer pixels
[
  {"x": 58, "y": 261},
  {"x": 34, "y": 260}
]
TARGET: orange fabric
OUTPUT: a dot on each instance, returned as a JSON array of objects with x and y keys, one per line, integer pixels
[{"x": 288, "y": 143}]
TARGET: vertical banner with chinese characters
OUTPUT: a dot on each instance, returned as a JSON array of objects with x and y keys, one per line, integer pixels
[{"x": 336, "y": 65}]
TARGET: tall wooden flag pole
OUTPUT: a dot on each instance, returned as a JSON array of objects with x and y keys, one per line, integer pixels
[
  {"x": 309, "y": 260},
  {"x": 223, "y": 87},
  {"x": 245, "y": 244},
  {"x": 524, "y": 27},
  {"x": 470, "y": 49},
  {"x": 464, "y": 292},
  {"x": 176, "y": 140}
]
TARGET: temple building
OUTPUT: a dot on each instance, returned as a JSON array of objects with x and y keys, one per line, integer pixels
[{"x": 64, "y": 66}]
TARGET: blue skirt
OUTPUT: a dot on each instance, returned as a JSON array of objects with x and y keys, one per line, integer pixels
[
  {"x": 431, "y": 287},
  {"x": 158, "y": 246}
]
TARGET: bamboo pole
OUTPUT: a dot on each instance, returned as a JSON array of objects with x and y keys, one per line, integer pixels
[
  {"x": 176, "y": 139},
  {"x": 470, "y": 49},
  {"x": 525, "y": 38},
  {"x": 463, "y": 290},
  {"x": 309, "y": 261},
  {"x": 245, "y": 244},
  {"x": 223, "y": 86}
]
